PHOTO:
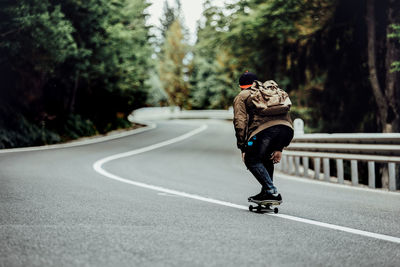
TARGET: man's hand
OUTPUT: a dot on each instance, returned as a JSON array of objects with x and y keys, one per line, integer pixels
[
  {"x": 243, "y": 155},
  {"x": 276, "y": 156}
]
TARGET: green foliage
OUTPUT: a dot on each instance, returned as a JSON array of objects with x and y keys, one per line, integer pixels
[
  {"x": 16, "y": 130},
  {"x": 35, "y": 22},
  {"x": 396, "y": 35},
  {"x": 263, "y": 36},
  {"x": 81, "y": 64},
  {"x": 395, "y": 66},
  {"x": 308, "y": 115},
  {"x": 26, "y": 27},
  {"x": 72, "y": 68},
  {"x": 75, "y": 127},
  {"x": 314, "y": 49},
  {"x": 214, "y": 70}
]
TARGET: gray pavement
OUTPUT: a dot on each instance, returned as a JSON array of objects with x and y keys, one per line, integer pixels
[{"x": 55, "y": 210}]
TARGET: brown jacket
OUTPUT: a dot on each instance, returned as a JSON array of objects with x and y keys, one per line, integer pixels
[{"x": 247, "y": 123}]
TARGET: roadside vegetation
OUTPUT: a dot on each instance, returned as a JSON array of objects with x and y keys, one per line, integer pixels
[
  {"x": 77, "y": 68},
  {"x": 70, "y": 68}
]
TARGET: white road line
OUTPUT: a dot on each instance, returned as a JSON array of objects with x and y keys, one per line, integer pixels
[
  {"x": 97, "y": 166},
  {"x": 341, "y": 228}
]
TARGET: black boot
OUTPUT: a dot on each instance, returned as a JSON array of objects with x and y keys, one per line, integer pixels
[{"x": 264, "y": 196}]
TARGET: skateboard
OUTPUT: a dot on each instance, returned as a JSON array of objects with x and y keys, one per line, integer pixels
[{"x": 265, "y": 206}]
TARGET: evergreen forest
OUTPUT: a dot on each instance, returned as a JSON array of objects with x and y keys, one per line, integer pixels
[{"x": 77, "y": 68}]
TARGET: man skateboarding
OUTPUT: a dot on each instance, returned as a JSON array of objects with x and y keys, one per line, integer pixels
[{"x": 262, "y": 130}]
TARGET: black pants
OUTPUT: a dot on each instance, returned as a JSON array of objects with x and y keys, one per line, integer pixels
[{"x": 258, "y": 153}]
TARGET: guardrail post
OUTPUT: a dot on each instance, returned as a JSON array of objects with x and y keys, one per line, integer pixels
[
  {"x": 298, "y": 125},
  {"x": 317, "y": 168},
  {"x": 392, "y": 176},
  {"x": 305, "y": 167},
  {"x": 297, "y": 166},
  {"x": 339, "y": 170},
  {"x": 326, "y": 169},
  {"x": 371, "y": 174},
  {"x": 291, "y": 165},
  {"x": 354, "y": 172}
]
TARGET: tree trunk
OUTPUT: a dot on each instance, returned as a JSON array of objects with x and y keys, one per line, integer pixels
[{"x": 373, "y": 75}]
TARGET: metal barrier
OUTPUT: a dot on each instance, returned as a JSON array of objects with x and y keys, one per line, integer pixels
[
  {"x": 168, "y": 113},
  {"x": 371, "y": 148}
]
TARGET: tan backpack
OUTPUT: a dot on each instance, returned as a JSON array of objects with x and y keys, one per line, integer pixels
[{"x": 268, "y": 99}]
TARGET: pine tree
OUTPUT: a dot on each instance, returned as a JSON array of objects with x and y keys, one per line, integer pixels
[
  {"x": 170, "y": 14},
  {"x": 172, "y": 67}
]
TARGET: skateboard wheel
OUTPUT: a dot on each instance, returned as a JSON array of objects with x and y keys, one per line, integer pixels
[
  {"x": 276, "y": 210},
  {"x": 259, "y": 208},
  {"x": 250, "y": 208}
]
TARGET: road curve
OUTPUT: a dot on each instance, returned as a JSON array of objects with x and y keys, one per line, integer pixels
[{"x": 176, "y": 196}]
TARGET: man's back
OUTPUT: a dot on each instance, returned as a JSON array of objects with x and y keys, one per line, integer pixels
[{"x": 248, "y": 122}]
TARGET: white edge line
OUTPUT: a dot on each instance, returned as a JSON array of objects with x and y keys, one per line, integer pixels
[
  {"x": 341, "y": 228},
  {"x": 97, "y": 166},
  {"x": 150, "y": 126}
]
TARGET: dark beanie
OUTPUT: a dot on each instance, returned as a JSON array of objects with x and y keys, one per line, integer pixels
[{"x": 247, "y": 78}]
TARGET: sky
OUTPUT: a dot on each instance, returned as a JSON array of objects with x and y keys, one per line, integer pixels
[{"x": 191, "y": 10}]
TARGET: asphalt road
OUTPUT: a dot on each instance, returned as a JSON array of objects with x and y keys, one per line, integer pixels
[{"x": 181, "y": 202}]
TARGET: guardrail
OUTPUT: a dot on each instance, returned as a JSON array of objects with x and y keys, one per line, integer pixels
[
  {"x": 168, "y": 113},
  {"x": 371, "y": 148}
]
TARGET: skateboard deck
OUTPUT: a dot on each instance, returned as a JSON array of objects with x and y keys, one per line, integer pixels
[{"x": 264, "y": 206}]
